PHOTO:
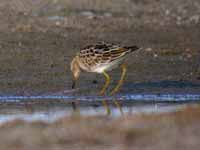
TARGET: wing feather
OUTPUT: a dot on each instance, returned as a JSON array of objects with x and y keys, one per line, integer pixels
[{"x": 103, "y": 53}]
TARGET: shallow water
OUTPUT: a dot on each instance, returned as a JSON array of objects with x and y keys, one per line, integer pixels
[
  {"x": 50, "y": 114},
  {"x": 52, "y": 107}
]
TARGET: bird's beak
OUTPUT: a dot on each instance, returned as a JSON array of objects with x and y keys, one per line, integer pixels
[{"x": 73, "y": 84}]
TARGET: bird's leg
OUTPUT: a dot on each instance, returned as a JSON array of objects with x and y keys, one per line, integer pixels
[
  {"x": 75, "y": 109},
  {"x": 102, "y": 92},
  {"x": 116, "y": 89},
  {"x": 118, "y": 105}
]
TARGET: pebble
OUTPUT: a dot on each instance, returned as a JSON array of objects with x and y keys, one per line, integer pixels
[
  {"x": 189, "y": 56},
  {"x": 167, "y": 12},
  {"x": 19, "y": 44},
  {"x": 148, "y": 49},
  {"x": 155, "y": 55},
  {"x": 58, "y": 23},
  {"x": 107, "y": 14},
  {"x": 195, "y": 19},
  {"x": 87, "y": 13}
]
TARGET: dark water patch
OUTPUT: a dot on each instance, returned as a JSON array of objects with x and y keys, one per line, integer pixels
[{"x": 164, "y": 84}]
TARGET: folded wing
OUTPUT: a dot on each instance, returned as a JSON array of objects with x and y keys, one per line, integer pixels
[{"x": 104, "y": 53}]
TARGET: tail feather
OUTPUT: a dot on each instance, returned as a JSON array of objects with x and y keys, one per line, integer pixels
[{"x": 132, "y": 48}]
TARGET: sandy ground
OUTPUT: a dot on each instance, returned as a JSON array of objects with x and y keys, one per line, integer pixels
[{"x": 39, "y": 38}]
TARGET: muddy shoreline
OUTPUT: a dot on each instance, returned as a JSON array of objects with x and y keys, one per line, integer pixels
[{"x": 36, "y": 49}]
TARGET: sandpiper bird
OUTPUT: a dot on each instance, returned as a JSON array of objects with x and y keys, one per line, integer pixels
[{"x": 101, "y": 58}]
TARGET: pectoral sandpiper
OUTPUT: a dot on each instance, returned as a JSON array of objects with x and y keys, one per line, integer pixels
[{"x": 101, "y": 58}]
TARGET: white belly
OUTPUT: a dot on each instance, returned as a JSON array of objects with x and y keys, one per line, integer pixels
[{"x": 107, "y": 67}]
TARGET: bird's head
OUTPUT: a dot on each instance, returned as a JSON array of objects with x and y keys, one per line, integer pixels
[{"x": 75, "y": 68}]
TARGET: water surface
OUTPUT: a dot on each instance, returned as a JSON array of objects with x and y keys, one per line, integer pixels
[{"x": 52, "y": 107}]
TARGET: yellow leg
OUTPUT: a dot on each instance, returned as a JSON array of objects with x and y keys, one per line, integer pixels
[
  {"x": 106, "y": 83},
  {"x": 118, "y": 105},
  {"x": 102, "y": 92},
  {"x": 116, "y": 89}
]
